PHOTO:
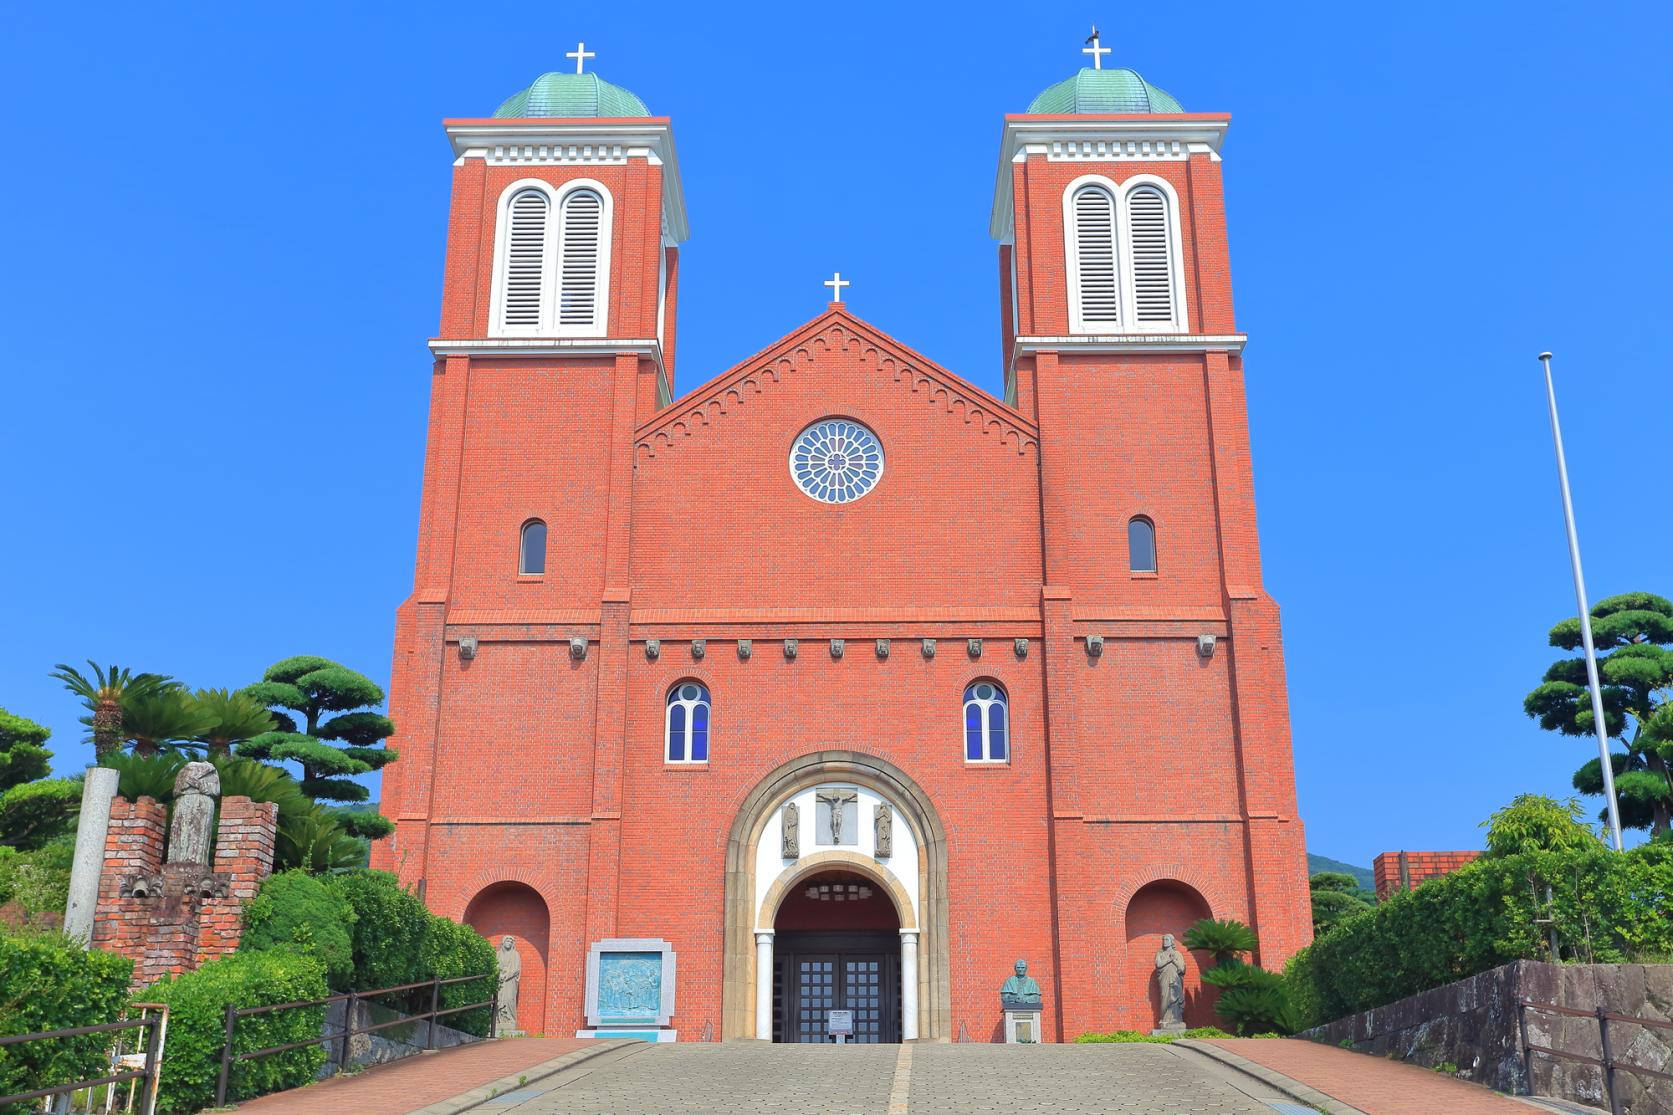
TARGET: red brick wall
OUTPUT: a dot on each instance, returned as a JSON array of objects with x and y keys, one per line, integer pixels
[
  {"x": 177, "y": 930},
  {"x": 1150, "y": 764},
  {"x": 1392, "y": 876}
]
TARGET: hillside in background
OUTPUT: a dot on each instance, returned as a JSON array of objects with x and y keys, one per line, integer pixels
[{"x": 1316, "y": 864}]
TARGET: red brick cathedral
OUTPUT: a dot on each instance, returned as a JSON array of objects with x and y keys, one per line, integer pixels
[{"x": 834, "y": 678}]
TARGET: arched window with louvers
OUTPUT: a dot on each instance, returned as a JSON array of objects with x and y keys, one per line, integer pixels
[
  {"x": 1153, "y": 295},
  {"x": 523, "y": 272},
  {"x": 1089, "y": 221},
  {"x": 583, "y": 266}
]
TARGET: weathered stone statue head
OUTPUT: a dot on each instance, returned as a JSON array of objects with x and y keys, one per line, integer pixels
[
  {"x": 1167, "y": 940},
  {"x": 508, "y": 942}
]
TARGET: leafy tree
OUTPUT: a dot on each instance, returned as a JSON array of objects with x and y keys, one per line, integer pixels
[
  {"x": 330, "y": 750},
  {"x": 1636, "y": 629},
  {"x": 165, "y": 718},
  {"x": 103, "y": 694},
  {"x": 230, "y": 718},
  {"x": 33, "y": 808},
  {"x": 1536, "y": 823},
  {"x": 1337, "y": 896}
]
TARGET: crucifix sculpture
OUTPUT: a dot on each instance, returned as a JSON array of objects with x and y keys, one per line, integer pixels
[{"x": 836, "y": 801}]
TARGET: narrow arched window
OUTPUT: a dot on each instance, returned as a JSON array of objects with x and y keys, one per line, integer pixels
[
  {"x": 987, "y": 723},
  {"x": 1150, "y": 248},
  {"x": 1095, "y": 292},
  {"x": 523, "y": 288},
  {"x": 532, "y": 554},
  {"x": 1141, "y": 545},
  {"x": 686, "y": 728},
  {"x": 581, "y": 261}
]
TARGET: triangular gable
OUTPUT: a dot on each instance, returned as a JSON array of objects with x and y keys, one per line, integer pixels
[{"x": 836, "y": 328}]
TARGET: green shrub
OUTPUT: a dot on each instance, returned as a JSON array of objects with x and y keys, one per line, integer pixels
[
  {"x": 295, "y": 909},
  {"x": 48, "y": 982},
  {"x": 1257, "y": 1008},
  {"x": 388, "y": 930},
  {"x": 1606, "y": 907},
  {"x": 451, "y": 949},
  {"x": 38, "y": 881},
  {"x": 197, "y": 1020},
  {"x": 1120, "y": 1036}
]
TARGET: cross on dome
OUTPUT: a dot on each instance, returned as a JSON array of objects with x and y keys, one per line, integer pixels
[
  {"x": 836, "y": 282},
  {"x": 580, "y": 54},
  {"x": 1097, "y": 51}
]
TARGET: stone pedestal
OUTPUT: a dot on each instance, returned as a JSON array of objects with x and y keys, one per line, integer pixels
[
  {"x": 1170, "y": 1028},
  {"x": 1022, "y": 1027}
]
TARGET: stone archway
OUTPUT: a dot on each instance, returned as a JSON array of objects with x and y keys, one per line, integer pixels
[
  {"x": 516, "y": 910},
  {"x": 926, "y": 924}
]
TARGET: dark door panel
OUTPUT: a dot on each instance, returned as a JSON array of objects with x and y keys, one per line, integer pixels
[{"x": 820, "y": 972}]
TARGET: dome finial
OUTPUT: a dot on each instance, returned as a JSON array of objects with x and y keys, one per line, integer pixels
[
  {"x": 1095, "y": 49},
  {"x": 580, "y": 54}
]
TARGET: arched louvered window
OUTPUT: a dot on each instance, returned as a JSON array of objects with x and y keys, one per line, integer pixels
[
  {"x": 1141, "y": 545},
  {"x": 1150, "y": 252},
  {"x": 532, "y": 554},
  {"x": 686, "y": 727},
  {"x": 581, "y": 263},
  {"x": 987, "y": 724},
  {"x": 1095, "y": 291},
  {"x": 523, "y": 283}
]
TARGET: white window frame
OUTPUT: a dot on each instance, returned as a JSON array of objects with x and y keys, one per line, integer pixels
[
  {"x": 706, "y": 700},
  {"x": 987, "y": 758},
  {"x": 1176, "y": 257},
  {"x": 1124, "y": 257},
  {"x": 550, "y": 264}
]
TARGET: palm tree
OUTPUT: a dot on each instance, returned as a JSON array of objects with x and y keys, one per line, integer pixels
[
  {"x": 103, "y": 695},
  {"x": 235, "y": 716},
  {"x": 162, "y": 718}
]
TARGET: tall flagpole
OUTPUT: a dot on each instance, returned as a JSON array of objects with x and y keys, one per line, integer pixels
[{"x": 1598, "y": 721}]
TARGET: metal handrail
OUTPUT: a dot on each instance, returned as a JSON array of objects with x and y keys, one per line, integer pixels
[
  {"x": 1607, "y": 1062},
  {"x": 352, "y": 998},
  {"x": 157, "y": 1023}
]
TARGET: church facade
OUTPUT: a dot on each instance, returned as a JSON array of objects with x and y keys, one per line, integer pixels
[{"x": 843, "y": 680}]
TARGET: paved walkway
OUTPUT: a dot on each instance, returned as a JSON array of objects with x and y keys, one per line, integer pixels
[
  {"x": 897, "y": 1080},
  {"x": 414, "y": 1082},
  {"x": 1374, "y": 1085}
]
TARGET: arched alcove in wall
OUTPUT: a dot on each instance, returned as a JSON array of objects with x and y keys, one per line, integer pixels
[
  {"x": 516, "y": 910},
  {"x": 915, "y": 876},
  {"x": 1157, "y": 908}
]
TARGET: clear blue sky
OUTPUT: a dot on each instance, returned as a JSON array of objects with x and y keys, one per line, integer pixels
[{"x": 223, "y": 229}]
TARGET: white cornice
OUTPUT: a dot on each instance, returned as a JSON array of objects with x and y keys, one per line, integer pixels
[
  {"x": 1155, "y": 139},
  {"x": 577, "y": 143},
  {"x": 554, "y": 346},
  {"x": 1135, "y": 342}
]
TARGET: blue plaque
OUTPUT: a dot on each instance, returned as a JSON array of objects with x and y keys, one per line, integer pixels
[{"x": 629, "y": 988}]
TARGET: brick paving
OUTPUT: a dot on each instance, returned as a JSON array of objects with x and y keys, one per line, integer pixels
[
  {"x": 1375, "y": 1085},
  {"x": 413, "y": 1082}
]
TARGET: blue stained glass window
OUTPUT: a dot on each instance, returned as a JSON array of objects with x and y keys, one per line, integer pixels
[
  {"x": 986, "y": 722},
  {"x": 836, "y": 460},
  {"x": 686, "y": 730}
]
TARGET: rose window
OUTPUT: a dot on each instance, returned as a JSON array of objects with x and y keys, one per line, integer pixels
[{"x": 836, "y": 461}]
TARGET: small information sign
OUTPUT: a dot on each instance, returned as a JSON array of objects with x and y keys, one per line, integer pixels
[{"x": 840, "y": 1025}]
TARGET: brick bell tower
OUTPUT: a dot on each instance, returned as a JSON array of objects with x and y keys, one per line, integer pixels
[
  {"x": 1119, "y": 340},
  {"x": 556, "y": 341}
]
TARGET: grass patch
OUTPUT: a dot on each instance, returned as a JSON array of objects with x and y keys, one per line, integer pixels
[{"x": 1120, "y": 1036}]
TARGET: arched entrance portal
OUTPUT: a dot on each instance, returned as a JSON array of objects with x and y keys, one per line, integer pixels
[
  {"x": 837, "y": 946},
  {"x": 830, "y": 818}
]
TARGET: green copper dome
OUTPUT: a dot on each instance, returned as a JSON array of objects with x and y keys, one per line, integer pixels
[
  {"x": 1103, "y": 91},
  {"x": 571, "y": 95}
]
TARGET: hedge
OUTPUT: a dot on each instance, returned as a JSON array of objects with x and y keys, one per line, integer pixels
[
  {"x": 388, "y": 929},
  {"x": 1606, "y": 907},
  {"x": 197, "y": 1026},
  {"x": 48, "y": 982},
  {"x": 451, "y": 949},
  {"x": 297, "y": 909}
]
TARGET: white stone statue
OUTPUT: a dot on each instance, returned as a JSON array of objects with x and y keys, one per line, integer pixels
[
  {"x": 511, "y": 976},
  {"x": 1170, "y": 980}
]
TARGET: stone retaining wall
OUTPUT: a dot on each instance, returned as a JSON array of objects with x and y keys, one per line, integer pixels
[{"x": 1473, "y": 1025}]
